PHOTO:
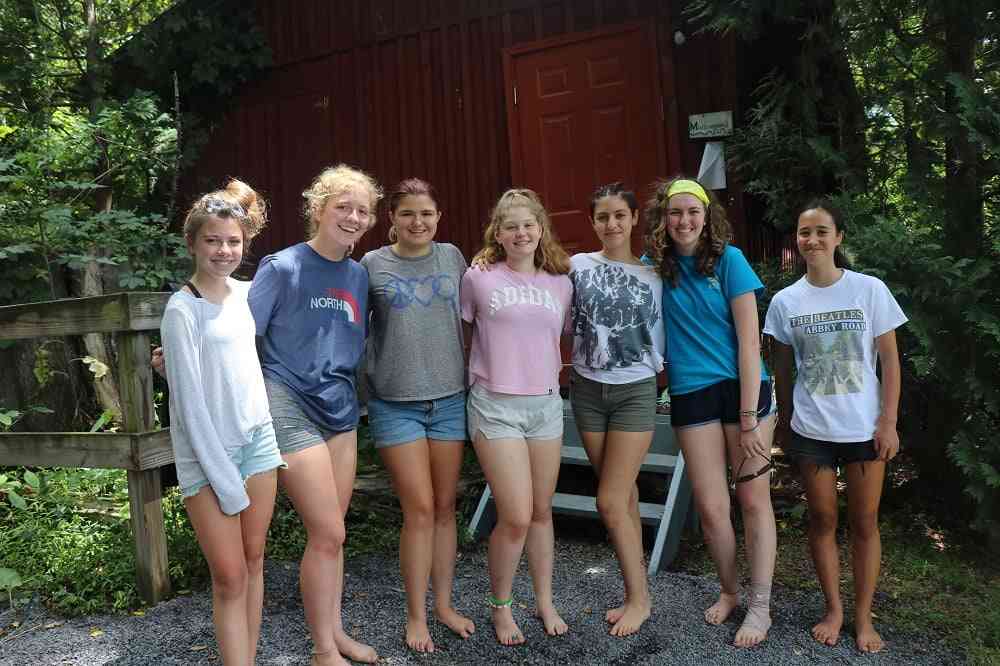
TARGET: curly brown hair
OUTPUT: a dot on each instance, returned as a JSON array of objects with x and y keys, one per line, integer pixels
[
  {"x": 549, "y": 255},
  {"x": 711, "y": 244}
]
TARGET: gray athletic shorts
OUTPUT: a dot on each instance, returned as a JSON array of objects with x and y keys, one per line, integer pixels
[
  {"x": 505, "y": 416},
  {"x": 293, "y": 429}
]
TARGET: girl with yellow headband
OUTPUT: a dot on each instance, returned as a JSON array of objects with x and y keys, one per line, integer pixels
[{"x": 721, "y": 406}]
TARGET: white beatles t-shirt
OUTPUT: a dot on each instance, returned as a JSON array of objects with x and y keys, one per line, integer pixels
[{"x": 832, "y": 331}]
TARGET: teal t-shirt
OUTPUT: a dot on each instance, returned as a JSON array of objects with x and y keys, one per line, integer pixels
[{"x": 702, "y": 348}]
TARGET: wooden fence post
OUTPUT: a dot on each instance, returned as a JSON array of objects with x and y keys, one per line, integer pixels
[{"x": 145, "y": 489}]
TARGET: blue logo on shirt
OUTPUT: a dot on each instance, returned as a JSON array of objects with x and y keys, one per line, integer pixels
[{"x": 403, "y": 292}]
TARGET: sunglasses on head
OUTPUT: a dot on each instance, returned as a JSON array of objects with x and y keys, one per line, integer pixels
[{"x": 222, "y": 208}]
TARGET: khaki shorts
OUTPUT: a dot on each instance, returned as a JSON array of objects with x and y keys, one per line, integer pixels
[
  {"x": 600, "y": 407},
  {"x": 505, "y": 416}
]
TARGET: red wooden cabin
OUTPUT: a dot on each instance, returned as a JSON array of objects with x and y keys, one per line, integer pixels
[{"x": 477, "y": 96}]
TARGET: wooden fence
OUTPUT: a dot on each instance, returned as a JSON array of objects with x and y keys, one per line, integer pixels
[{"x": 137, "y": 448}]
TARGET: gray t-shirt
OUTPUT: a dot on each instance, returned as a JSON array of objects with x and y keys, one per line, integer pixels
[{"x": 415, "y": 349}]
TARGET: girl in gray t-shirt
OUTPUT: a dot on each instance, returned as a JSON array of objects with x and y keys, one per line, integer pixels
[{"x": 416, "y": 412}]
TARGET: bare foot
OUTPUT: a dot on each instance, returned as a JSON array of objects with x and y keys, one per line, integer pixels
[
  {"x": 458, "y": 623},
  {"x": 614, "y": 614},
  {"x": 868, "y": 639},
  {"x": 554, "y": 624},
  {"x": 328, "y": 658},
  {"x": 354, "y": 650},
  {"x": 827, "y": 631},
  {"x": 631, "y": 619},
  {"x": 752, "y": 631},
  {"x": 418, "y": 637},
  {"x": 508, "y": 633},
  {"x": 720, "y": 610}
]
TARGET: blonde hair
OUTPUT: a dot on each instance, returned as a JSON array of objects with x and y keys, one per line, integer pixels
[
  {"x": 331, "y": 182},
  {"x": 711, "y": 244},
  {"x": 549, "y": 255},
  {"x": 236, "y": 200}
]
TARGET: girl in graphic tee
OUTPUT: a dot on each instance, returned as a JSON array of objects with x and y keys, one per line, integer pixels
[
  {"x": 223, "y": 440},
  {"x": 416, "y": 412},
  {"x": 720, "y": 392},
  {"x": 517, "y": 297},
  {"x": 617, "y": 352},
  {"x": 835, "y": 323},
  {"x": 309, "y": 302}
]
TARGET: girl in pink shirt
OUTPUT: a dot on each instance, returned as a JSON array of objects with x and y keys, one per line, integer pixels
[{"x": 518, "y": 307}]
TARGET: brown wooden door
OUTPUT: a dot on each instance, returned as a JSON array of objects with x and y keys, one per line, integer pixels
[{"x": 585, "y": 110}]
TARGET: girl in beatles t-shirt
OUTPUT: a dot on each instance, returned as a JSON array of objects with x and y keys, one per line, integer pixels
[{"x": 838, "y": 323}]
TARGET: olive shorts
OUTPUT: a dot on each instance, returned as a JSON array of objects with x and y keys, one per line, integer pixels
[{"x": 600, "y": 407}]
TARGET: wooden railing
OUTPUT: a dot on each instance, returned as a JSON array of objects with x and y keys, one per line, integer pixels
[{"x": 137, "y": 448}]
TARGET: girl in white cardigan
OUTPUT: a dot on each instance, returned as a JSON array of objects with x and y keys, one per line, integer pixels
[{"x": 224, "y": 445}]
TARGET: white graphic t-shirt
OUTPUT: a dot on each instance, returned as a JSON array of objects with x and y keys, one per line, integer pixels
[
  {"x": 832, "y": 331},
  {"x": 618, "y": 334}
]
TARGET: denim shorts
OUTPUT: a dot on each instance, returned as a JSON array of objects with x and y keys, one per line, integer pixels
[
  {"x": 394, "y": 422},
  {"x": 600, "y": 407},
  {"x": 506, "y": 416},
  {"x": 829, "y": 454},
  {"x": 257, "y": 456},
  {"x": 293, "y": 428},
  {"x": 718, "y": 402}
]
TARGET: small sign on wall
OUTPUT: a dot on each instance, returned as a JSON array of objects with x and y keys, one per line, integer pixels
[{"x": 710, "y": 125}]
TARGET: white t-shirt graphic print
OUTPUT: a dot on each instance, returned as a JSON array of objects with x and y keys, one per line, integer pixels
[
  {"x": 832, "y": 331},
  {"x": 618, "y": 334}
]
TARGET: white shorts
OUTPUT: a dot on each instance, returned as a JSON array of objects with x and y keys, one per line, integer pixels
[{"x": 506, "y": 416}]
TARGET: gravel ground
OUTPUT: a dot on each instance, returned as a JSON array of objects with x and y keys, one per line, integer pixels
[{"x": 179, "y": 631}]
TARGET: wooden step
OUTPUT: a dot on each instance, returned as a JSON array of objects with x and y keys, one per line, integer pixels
[
  {"x": 653, "y": 462},
  {"x": 586, "y": 506}
]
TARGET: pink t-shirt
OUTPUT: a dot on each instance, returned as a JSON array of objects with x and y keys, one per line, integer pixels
[{"x": 519, "y": 319}]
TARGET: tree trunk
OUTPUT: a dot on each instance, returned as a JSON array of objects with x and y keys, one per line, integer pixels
[
  {"x": 90, "y": 282},
  {"x": 964, "y": 201}
]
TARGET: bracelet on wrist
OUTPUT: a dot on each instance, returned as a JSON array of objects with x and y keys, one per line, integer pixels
[{"x": 748, "y": 412}]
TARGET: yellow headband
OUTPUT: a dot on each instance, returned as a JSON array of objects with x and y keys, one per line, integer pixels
[{"x": 687, "y": 187}]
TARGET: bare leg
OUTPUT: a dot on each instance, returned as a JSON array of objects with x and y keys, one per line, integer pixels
[
  {"x": 760, "y": 533},
  {"x": 309, "y": 482},
  {"x": 864, "y": 492},
  {"x": 409, "y": 466},
  {"x": 821, "y": 493},
  {"x": 623, "y": 453},
  {"x": 221, "y": 541},
  {"x": 446, "y": 465},
  {"x": 545, "y": 460},
  {"x": 593, "y": 444},
  {"x": 343, "y": 450},
  {"x": 704, "y": 450},
  {"x": 254, "y": 522},
  {"x": 505, "y": 462}
]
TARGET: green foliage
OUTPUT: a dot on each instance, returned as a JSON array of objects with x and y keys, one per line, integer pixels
[
  {"x": 71, "y": 540},
  {"x": 922, "y": 196},
  {"x": 46, "y": 217}
]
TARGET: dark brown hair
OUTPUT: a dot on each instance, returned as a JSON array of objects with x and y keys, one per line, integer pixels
[
  {"x": 840, "y": 259},
  {"x": 408, "y": 187},
  {"x": 614, "y": 190}
]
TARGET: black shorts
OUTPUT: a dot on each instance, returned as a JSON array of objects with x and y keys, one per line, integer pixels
[
  {"x": 718, "y": 402},
  {"x": 829, "y": 454}
]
